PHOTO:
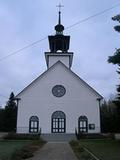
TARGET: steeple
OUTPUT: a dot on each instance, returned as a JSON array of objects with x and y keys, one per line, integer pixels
[
  {"x": 59, "y": 27},
  {"x": 59, "y": 20},
  {"x": 59, "y": 41},
  {"x": 59, "y": 46}
]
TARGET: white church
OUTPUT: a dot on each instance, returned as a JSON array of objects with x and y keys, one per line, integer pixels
[{"x": 58, "y": 101}]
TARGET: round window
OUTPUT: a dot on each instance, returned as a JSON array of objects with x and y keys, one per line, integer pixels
[{"x": 58, "y": 90}]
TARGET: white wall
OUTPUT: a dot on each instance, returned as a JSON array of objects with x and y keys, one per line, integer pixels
[
  {"x": 64, "y": 59},
  {"x": 38, "y": 100}
]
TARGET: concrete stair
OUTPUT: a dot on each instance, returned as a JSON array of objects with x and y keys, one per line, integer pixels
[{"x": 58, "y": 137}]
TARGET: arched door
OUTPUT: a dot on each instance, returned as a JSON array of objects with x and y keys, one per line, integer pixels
[
  {"x": 33, "y": 124},
  {"x": 58, "y": 122},
  {"x": 83, "y": 124}
]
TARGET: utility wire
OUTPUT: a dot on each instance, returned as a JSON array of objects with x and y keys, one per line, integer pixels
[
  {"x": 21, "y": 49},
  {"x": 92, "y": 16},
  {"x": 81, "y": 21}
]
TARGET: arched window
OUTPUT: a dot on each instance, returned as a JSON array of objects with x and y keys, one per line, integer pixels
[
  {"x": 33, "y": 124},
  {"x": 58, "y": 122},
  {"x": 83, "y": 124}
]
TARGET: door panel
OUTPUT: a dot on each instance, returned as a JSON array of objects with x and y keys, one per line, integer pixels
[{"x": 58, "y": 125}]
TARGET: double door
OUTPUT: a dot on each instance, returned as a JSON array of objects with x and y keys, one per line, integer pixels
[{"x": 58, "y": 125}]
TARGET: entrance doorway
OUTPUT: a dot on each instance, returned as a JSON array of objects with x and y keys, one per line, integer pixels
[{"x": 58, "y": 122}]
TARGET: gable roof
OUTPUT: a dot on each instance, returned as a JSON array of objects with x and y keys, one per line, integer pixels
[{"x": 74, "y": 74}]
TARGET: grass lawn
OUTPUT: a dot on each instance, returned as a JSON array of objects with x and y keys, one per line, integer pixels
[
  {"x": 79, "y": 151},
  {"x": 8, "y": 147},
  {"x": 103, "y": 149}
]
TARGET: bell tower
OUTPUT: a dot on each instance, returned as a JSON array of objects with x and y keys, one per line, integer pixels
[{"x": 59, "y": 46}]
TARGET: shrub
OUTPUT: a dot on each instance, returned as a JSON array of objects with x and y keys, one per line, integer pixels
[
  {"x": 27, "y": 151},
  {"x": 22, "y": 154},
  {"x": 15, "y": 136}
]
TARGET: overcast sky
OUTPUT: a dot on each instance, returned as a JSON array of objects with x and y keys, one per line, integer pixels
[{"x": 26, "y": 21}]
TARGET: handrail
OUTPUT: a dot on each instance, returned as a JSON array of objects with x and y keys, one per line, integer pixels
[{"x": 76, "y": 132}]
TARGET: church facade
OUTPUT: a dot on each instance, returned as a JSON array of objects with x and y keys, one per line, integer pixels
[{"x": 58, "y": 101}]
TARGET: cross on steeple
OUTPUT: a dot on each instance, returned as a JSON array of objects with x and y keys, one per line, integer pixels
[
  {"x": 59, "y": 6},
  {"x": 59, "y": 19}
]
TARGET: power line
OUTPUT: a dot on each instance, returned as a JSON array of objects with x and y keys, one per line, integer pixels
[
  {"x": 21, "y": 49},
  {"x": 92, "y": 16},
  {"x": 81, "y": 21}
]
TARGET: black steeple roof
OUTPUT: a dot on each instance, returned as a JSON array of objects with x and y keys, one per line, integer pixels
[
  {"x": 59, "y": 41},
  {"x": 59, "y": 27}
]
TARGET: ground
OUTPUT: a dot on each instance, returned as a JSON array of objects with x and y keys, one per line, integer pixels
[
  {"x": 8, "y": 147},
  {"x": 103, "y": 149},
  {"x": 19, "y": 149},
  {"x": 55, "y": 151}
]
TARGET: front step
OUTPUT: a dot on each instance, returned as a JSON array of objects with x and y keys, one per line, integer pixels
[{"x": 58, "y": 137}]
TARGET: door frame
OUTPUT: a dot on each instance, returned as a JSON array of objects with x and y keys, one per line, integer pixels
[{"x": 59, "y": 118}]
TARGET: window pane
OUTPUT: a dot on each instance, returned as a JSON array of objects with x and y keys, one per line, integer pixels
[
  {"x": 35, "y": 124},
  {"x": 31, "y": 124},
  {"x": 80, "y": 124},
  {"x": 84, "y": 124},
  {"x": 60, "y": 125},
  {"x": 53, "y": 124}
]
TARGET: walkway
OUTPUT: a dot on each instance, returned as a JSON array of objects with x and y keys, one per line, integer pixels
[{"x": 55, "y": 151}]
